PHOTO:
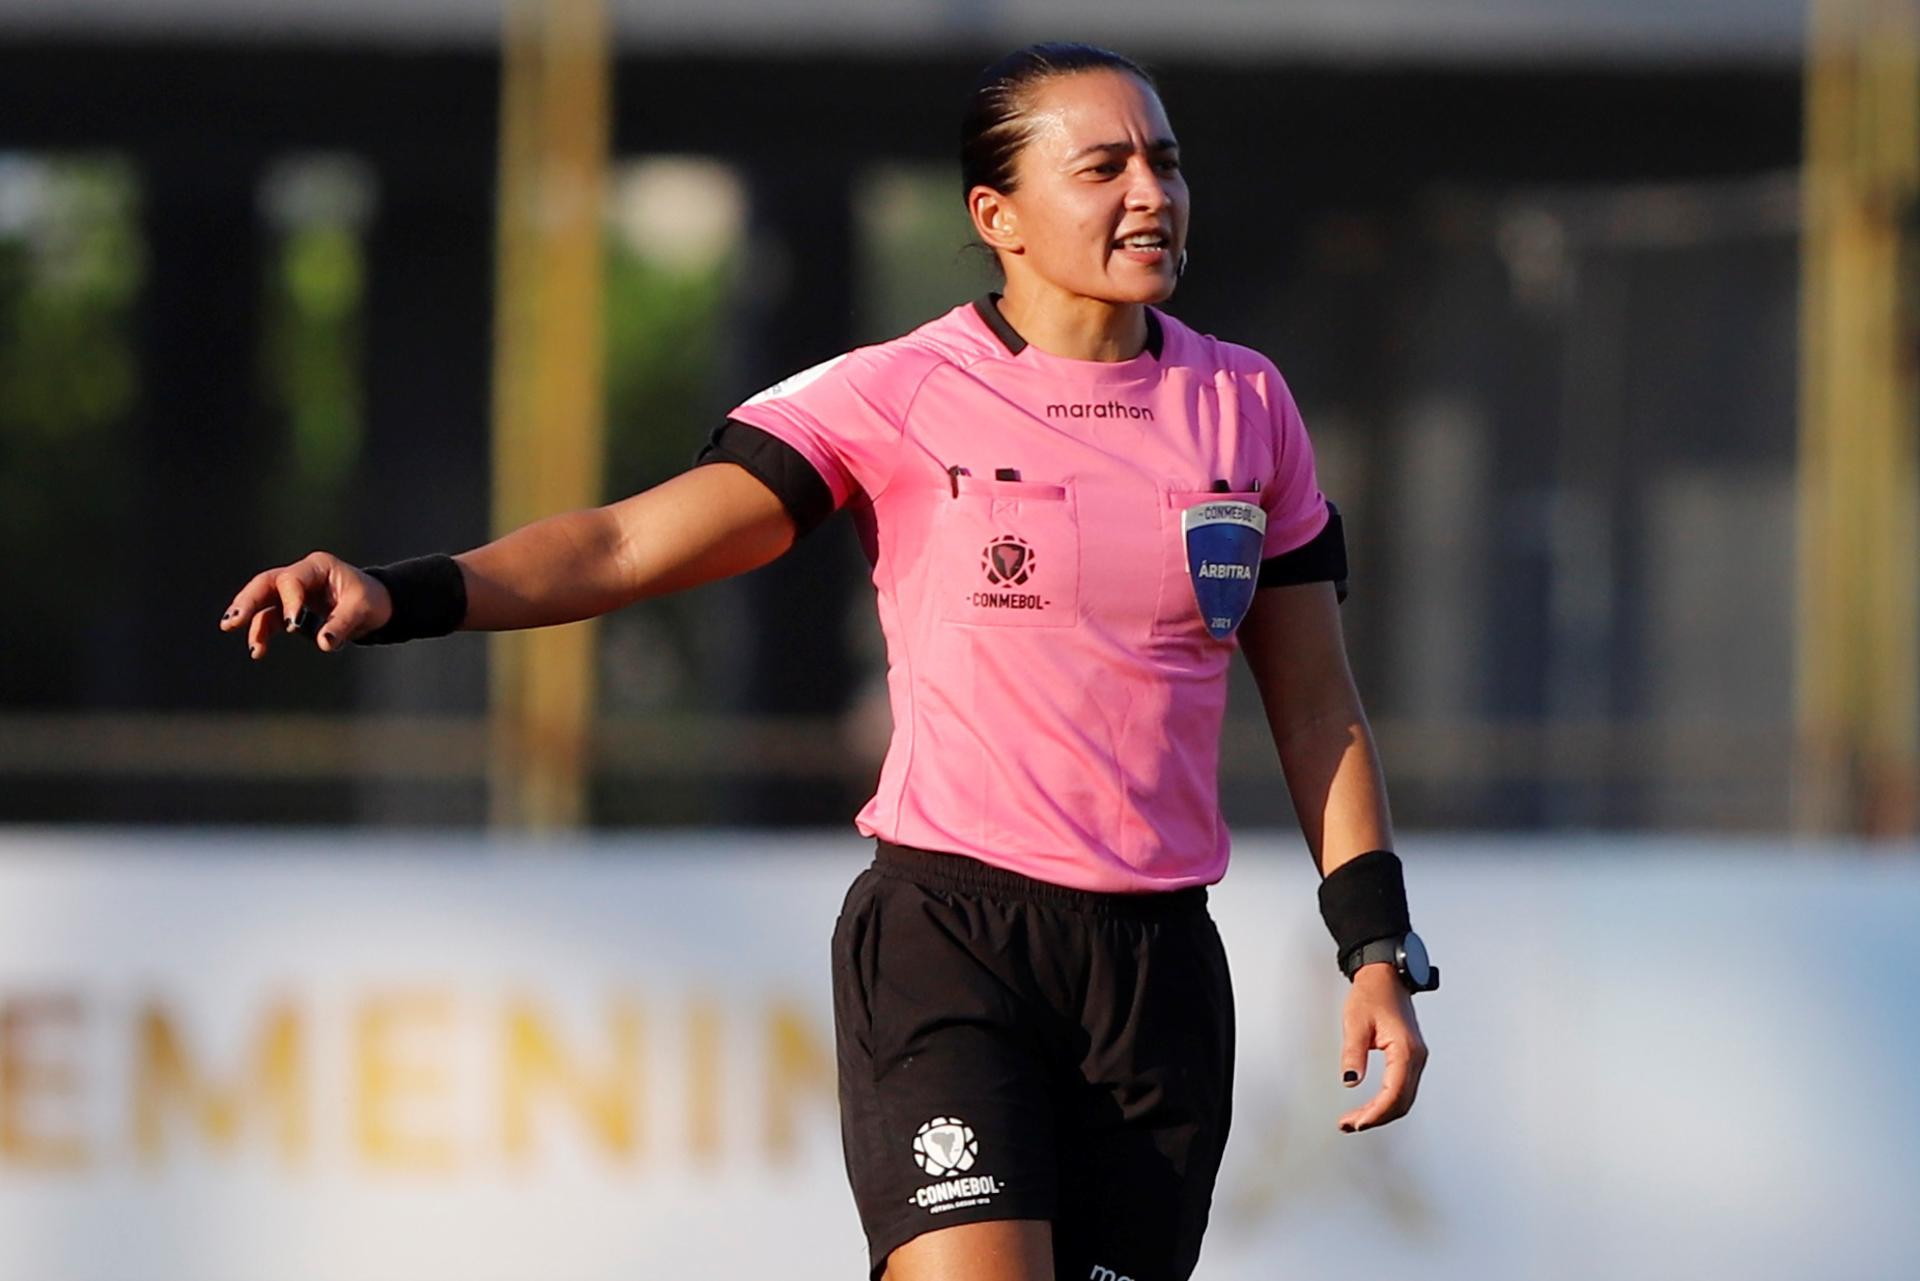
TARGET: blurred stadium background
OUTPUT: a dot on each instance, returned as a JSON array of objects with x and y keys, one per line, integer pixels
[{"x": 504, "y": 956}]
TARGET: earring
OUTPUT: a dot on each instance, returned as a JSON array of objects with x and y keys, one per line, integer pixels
[{"x": 1180, "y": 268}]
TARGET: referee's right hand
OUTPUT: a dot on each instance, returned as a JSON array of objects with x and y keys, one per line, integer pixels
[{"x": 344, "y": 602}]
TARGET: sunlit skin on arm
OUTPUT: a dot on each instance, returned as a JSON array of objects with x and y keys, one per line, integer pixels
[
  {"x": 1292, "y": 642},
  {"x": 708, "y": 523},
  {"x": 1293, "y": 645}
]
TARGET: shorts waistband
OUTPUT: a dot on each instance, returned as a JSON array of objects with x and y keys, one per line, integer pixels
[{"x": 938, "y": 870}]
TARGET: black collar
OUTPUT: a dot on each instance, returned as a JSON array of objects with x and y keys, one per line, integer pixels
[{"x": 988, "y": 305}]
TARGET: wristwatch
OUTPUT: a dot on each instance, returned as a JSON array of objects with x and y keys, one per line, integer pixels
[{"x": 1409, "y": 957}]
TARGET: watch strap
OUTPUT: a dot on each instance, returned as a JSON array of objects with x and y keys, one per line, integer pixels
[{"x": 1386, "y": 949}]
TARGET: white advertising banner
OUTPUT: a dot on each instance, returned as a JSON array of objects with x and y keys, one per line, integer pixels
[{"x": 356, "y": 1056}]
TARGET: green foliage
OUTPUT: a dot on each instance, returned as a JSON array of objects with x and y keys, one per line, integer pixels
[
  {"x": 313, "y": 365},
  {"x": 68, "y": 279},
  {"x": 663, "y": 349},
  {"x": 70, "y": 271},
  {"x": 917, "y": 252}
]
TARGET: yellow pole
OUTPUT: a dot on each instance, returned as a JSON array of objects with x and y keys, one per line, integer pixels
[
  {"x": 1857, "y": 681},
  {"x": 548, "y": 411}
]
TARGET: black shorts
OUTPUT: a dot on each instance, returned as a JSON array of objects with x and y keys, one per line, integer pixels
[{"x": 1011, "y": 1049}]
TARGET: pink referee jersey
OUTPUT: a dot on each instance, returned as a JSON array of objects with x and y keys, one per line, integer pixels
[{"x": 1056, "y": 695}]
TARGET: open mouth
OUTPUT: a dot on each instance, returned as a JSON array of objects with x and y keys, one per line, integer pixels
[{"x": 1143, "y": 241}]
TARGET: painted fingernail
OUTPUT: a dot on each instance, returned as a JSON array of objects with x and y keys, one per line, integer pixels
[
  {"x": 1351, "y": 1077},
  {"x": 253, "y": 651},
  {"x": 1346, "y": 1128}
]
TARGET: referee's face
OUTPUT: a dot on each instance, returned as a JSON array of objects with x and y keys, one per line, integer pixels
[{"x": 1101, "y": 170}]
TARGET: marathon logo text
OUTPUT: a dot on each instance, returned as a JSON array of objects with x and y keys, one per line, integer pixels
[
  {"x": 1094, "y": 409},
  {"x": 1217, "y": 569},
  {"x": 953, "y": 1194}
]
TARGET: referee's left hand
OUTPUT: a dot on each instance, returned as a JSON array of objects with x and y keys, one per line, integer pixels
[{"x": 1379, "y": 1016}]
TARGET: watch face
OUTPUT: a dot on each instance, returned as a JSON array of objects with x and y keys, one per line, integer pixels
[{"x": 1413, "y": 955}]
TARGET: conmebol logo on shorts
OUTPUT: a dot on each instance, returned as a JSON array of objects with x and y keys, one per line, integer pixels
[{"x": 947, "y": 1145}]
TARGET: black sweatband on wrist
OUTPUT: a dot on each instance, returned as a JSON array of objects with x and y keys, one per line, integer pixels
[
  {"x": 429, "y": 599},
  {"x": 1364, "y": 899}
]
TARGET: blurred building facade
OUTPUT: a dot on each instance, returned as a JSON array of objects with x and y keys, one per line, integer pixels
[{"x": 1531, "y": 271}]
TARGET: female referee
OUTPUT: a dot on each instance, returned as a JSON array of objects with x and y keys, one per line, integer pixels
[{"x": 1076, "y": 509}]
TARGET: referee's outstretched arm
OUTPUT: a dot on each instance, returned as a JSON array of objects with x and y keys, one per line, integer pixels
[
  {"x": 1293, "y": 645},
  {"x": 707, "y": 523}
]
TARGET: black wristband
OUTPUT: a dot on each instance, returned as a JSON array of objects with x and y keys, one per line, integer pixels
[
  {"x": 429, "y": 599},
  {"x": 1364, "y": 899}
]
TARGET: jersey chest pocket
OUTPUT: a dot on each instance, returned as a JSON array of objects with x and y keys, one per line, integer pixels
[
  {"x": 1007, "y": 554},
  {"x": 1178, "y": 613}
]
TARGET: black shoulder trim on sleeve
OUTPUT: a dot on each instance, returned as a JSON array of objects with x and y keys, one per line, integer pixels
[
  {"x": 775, "y": 464},
  {"x": 1320, "y": 558}
]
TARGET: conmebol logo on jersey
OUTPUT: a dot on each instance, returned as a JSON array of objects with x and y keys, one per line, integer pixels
[{"x": 1008, "y": 561}]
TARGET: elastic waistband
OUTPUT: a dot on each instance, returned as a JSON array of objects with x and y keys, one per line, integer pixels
[{"x": 937, "y": 870}]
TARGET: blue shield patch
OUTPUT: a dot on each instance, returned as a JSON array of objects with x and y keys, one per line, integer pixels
[{"x": 1223, "y": 559}]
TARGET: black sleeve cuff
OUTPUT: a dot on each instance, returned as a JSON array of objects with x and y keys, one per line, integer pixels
[
  {"x": 775, "y": 464},
  {"x": 1320, "y": 559}
]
